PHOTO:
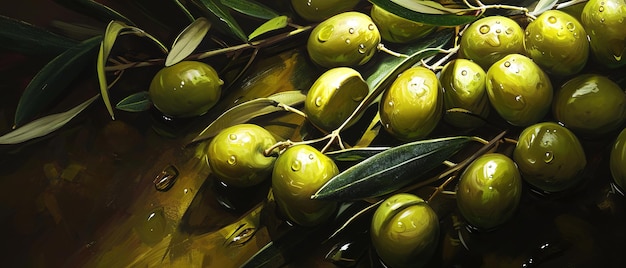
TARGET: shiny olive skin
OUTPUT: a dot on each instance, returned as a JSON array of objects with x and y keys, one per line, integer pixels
[
  {"x": 412, "y": 106},
  {"x": 557, "y": 42},
  {"x": 396, "y": 29},
  {"x": 590, "y": 105},
  {"x": 405, "y": 231},
  {"x": 185, "y": 89},
  {"x": 605, "y": 21},
  {"x": 489, "y": 191},
  {"x": 334, "y": 96},
  {"x": 549, "y": 157},
  {"x": 618, "y": 160},
  {"x": 519, "y": 90},
  {"x": 319, "y": 10},
  {"x": 298, "y": 173},
  {"x": 236, "y": 156},
  {"x": 347, "y": 39},
  {"x": 463, "y": 83},
  {"x": 489, "y": 39}
]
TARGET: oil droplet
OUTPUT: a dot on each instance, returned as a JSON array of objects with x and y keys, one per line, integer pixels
[
  {"x": 232, "y": 137},
  {"x": 362, "y": 48},
  {"x": 242, "y": 237},
  {"x": 601, "y": 9},
  {"x": 570, "y": 26},
  {"x": 324, "y": 34},
  {"x": 296, "y": 165},
  {"x": 166, "y": 179},
  {"x": 348, "y": 41},
  {"x": 371, "y": 27},
  {"x": 507, "y": 64},
  {"x": 464, "y": 72},
  {"x": 351, "y": 30},
  {"x": 552, "y": 19},
  {"x": 318, "y": 101},
  {"x": 548, "y": 157},
  {"x": 311, "y": 156},
  {"x": 484, "y": 29},
  {"x": 152, "y": 228}
]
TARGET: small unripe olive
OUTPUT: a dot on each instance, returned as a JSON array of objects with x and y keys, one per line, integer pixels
[
  {"x": 618, "y": 160},
  {"x": 319, "y": 10},
  {"x": 489, "y": 39},
  {"x": 463, "y": 83},
  {"x": 396, "y": 29},
  {"x": 605, "y": 21}
]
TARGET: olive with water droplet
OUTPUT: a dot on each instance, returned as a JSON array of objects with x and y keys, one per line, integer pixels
[
  {"x": 519, "y": 90},
  {"x": 489, "y": 191},
  {"x": 334, "y": 96},
  {"x": 405, "y": 231},
  {"x": 236, "y": 155},
  {"x": 605, "y": 21},
  {"x": 549, "y": 157},
  {"x": 319, "y": 10},
  {"x": 618, "y": 160},
  {"x": 489, "y": 39},
  {"x": 396, "y": 29},
  {"x": 463, "y": 83},
  {"x": 298, "y": 173}
]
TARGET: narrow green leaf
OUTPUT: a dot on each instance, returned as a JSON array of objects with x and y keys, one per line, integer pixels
[
  {"x": 26, "y": 38},
  {"x": 52, "y": 80},
  {"x": 43, "y": 126},
  {"x": 543, "y": 6},
  {"x": 137, "y": 102},
  {"x": 432, "y": 19},
  {"x": 187, "y": 41},
  {"x": 222, "y": 13},
  {"x": 251, "y": 8},
  {"x": 94, "y": 9},
  {"x": 184, "y": 9},
  {"x": 429, "y": 7},
  {"x": 390, "y": 170},
  {"x": 270, "y": 25},
  {"x": 355, "y": 154}
]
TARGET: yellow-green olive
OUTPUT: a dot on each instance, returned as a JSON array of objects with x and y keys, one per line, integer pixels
[
  {"x": 185, "y": 89},
  {"x": 298, "y": 173},
  {"x": 347, "y": 39},
  {"x": 334, "y": 96},
  {"x": 557, "y": 42},
  {"x": 236, "y": 155},
  {"x": 405, "y": 231},
  {"x": 590, "y": 105},
  {"x": 411, "y": 107},
  {"x": 396, "y": 29},
  {"x": 463, "y": 83},
  {"x": 319, "y": 10},
  {"x": 605, "y": 21},
  {"x": 549, "y": 157},
  {"x": 618, "y": 160},
  {"x": 519, "y": 90},
  {"x": 489, "y": 39},
  {"x": 489, "y": 191}
]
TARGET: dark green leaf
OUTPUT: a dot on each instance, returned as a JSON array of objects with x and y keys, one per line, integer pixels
[
  {"x": 94, "y": 9},
  {"x": 28, "y": 39},
  {"x": 355, "y": 154},
  {"x": 390, "y": 170},
  {"x": 543, "y": 6},
  {"x": 432, "y": 19},
  {"x": 187, "y": 41},
  {"x": 225, "y": 18},
  {"x": 270, "y": 25},
  {"x": 429, "y": 7},
  {"x": 51, "y": 81},
  {"x": 251, "y": 8},
  {"x": 184, "y": 10},
  {"x": 137, "y": 102}
]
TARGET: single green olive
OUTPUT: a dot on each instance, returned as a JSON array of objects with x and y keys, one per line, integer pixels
[
  {"x": 549, "y": 157},
  {"x": 618, "y": 160},
  {"x": 334, "y": 96},
  {"x": 236, "y": 155},
  {"x": 412, "y": 106},
  {"x": 557, "y": 42},
  {"x": 590, "y": 105},
  {"x": 319, "y": 10},
  {"x": 463, "y": 83},
  {"x": 405, "y": 231},
  {"x": 185, "y": 89},
  {"x": 396, "y": 29},
  {"x": 298, "y": 173},
  {"x": 519, "y": 90},
  {"x": 489, "y": 191},
  {"x": 347, "y": 39},
  {"x": 605, "y": 21},
  {"x": 489, "y": 39}
]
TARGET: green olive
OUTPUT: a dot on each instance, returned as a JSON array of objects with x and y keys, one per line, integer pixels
[
  {"x": 489, "y": 39},
  {"x": 557, "y": 42},
  {"x": 489, "y": 191},
  {"x": 236, "y": 155},
  {"x": 549, "y": 157},
  {"x": 334, "y": 96},
  {"x": 319, "y": 10},
  {"x": 347, "y": 39},
  {"x": 519, "y": 90},
  {"x": 185, "y": 89},
  {"x": 617, "y": 160},
  {"x": 590, "y": 105},
  {"x": 298, "y": 173},
  {"x": 605, "y": 21},
  {"x": 412, "y": 106},
  {"x": 405, "y": 231},
  {"x": 463, "y": 83},
  {"x": 396, "y": 29}
]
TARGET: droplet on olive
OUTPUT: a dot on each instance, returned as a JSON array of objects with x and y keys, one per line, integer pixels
[
  {"x": 319, "y": 10},
  {"x": 236, "y": 155},
  {"x": 605, "y": 21},
  {"x": 618, "y": 160},
  {"x": 412, "y": 106},
  {"x": 396, "y": 29},
  {"x": 549, "y": 157},
  {"x": 185, "y": 89},
  {"x": 519, "y": 90},
  {"x": 298, "y": 173},
  {"x": 463, "y": 83},
  {"x": 489, "y": 39},
  {"x": 489, "y": 191},
  {"x": 405, "y": 231}
]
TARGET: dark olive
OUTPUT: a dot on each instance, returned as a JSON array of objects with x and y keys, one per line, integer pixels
[
  {"x": 463, "y": 83},
  {"x": 618, "y": 160},
  {"x": 319, "y": 10},
  {"x": 396, "y": 29},
  {"x": 605, "y": 21},
  {"x": 489, "y": 39},
  {"x": 405, "y": 231}
]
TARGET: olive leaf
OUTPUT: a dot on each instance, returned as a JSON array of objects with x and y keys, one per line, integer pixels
[
  {"x": 543, "y": 6},
  {"x": 43, "y": 126},
  {"x": 390, "y": 170},
  {"x": 29, "y": 39},
  {"x": 137, "y": 102},
  {"x": 432, "y": 19},
  {"x": 429, "y": 7},
  {"x": 270, "y": 25},
  {"x": 184, "y": 9},
  {"x": 225, "y": 18},
  {"x": 355, "y": 154},
  {"x": 187, "y": 41},
  {"x": 251, "y": 8},
  {"x": 94, "y": 9},
  {"x": 52, "y": 80}
]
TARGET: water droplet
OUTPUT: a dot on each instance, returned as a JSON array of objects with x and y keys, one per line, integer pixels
[
  {"x": 539, "y": 37},
  {"x": 602, "y": 20},
  {"x": 497, "y": 22},
  {"x": 464, "y": 72},
  {"x": 311, "y": 156},
  {"x": 527, "y": 33},
  {"x": 552, "y": 19},
  {"x": 241, "y": 236},
  {"x": 351, "y": 30},
  {"x": 318, "y": 101},
  {"x": 232, "y": 160},
  {"x": 296, "y": 165},
  {"x": 498, "y": 31},
  {"x": 509, "y": 31},
  {"x": 390, "y": 103},
  {"x": 362, "y": 48},
  {"x": 358, "y": 98},
  {"x": 570, "y": 26},
  {"x": 166, "y": 179},
  {"x": 507, "y": 64},
  {"x": 399, "y": 228},
  {"x": 232, "y": 136},
  {"x": 325, "y": 33},
  {"x": 520, "y": 99},
  {"x": 371, "y": 27},
  {"x": 484, "y": 29},
  {"x": 601, "y": 9},
  {"x": 548, "y": 157},
  {"x": 153, "y": 227},
  {"x": 347, "y": 40}
]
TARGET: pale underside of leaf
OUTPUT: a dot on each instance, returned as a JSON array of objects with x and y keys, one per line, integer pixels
[
  {"x": 270, "y": 25},
  {"x": 137, "y": 102},
  {"x": 188, "y": 40},
  {"x": 443, "y": 16},
  {"x": 543, "y": 6}
]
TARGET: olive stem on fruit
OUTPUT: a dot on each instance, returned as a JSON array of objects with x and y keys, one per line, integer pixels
[
  {"x": 441, "y": 187},
  {"x": 382, "y": 48},
  {"x": 482, "y": 8},
  {"x": 569, "y": 3},
  {"x": 449, "y": 53},
  {"x": 291, "y": 109}
]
